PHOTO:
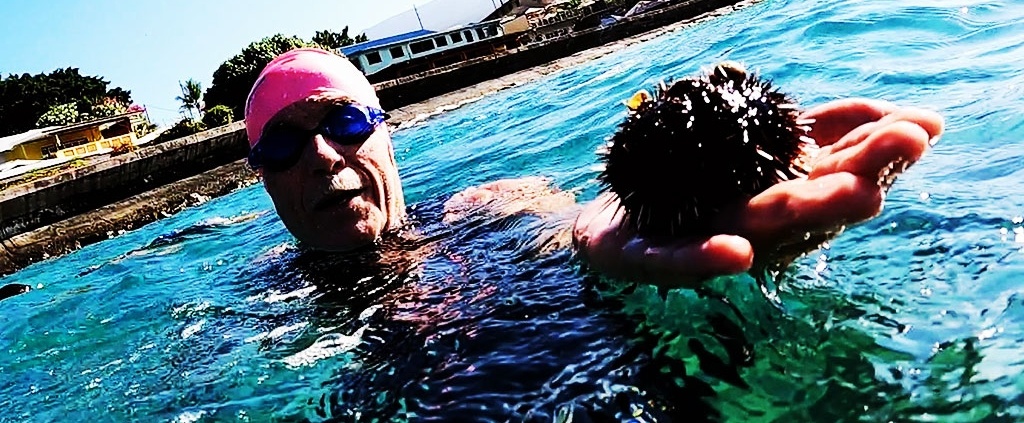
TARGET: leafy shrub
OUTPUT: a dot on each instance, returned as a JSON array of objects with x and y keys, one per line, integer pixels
[
  {"x": 233, "y": 79},
  {"x": 218, "y": 115},
  {"x": 107, "y": 108},
  {"x": 330, "y": 40},
  {"x": 183, "y": 128},
  {"x": 59, "y": 115},
  {"x": 24, "y": 98},
  {"x": 143, "y": 128},
  {"x": 69, "y": 113}
]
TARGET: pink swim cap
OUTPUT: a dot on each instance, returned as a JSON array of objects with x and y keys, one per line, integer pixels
[{"x": 297, "y": 75}]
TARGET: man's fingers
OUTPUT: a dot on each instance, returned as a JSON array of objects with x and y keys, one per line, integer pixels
[
  {"x": 835, "y": 119},
  {"x": 684, "y": 263},
  {"x": 927, "y": 120},
  {"x": 718, "y": 255},
  {"x": 794, "y": 209},
  {"x": 616, "y": 251},
  {"x": 841, "y": 124},
  {"x": 900, "y": 143}
]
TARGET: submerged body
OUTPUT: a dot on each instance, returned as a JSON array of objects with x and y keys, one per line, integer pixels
[{"x": 912, "y": 316}]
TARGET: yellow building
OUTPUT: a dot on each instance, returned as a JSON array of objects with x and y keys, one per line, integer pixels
[{"x": 76, "y": 140}]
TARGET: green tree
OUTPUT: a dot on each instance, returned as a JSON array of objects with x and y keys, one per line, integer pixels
[
  {"x": 25, "y": 98},
  {"x": 218, "y": 115},
  {"x": 59, "y": 115},
  {"x": 191, "y": 97},
  {"x": 183, "y": 128},
  {"x": 234, "y": 78},
  {"x": 107, "y": 108},
  {"x": 331, "y": 40}
]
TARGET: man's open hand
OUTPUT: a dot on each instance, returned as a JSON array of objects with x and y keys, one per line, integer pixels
[{"x": 863, "y": 144}]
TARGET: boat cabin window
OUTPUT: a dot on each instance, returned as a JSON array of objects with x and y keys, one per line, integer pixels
[
  {"x": 441, "y": 41},
  {"x": 397, "y": 52},
  {"x": 456, "y": 37},
  {"x": 469, "y": 35}
]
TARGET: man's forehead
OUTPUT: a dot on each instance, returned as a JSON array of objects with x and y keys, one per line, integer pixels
[
  {"x": 311, "y": 110},
  {"x": 330, "y": 96},
  {"x": 304, "y": 76}
]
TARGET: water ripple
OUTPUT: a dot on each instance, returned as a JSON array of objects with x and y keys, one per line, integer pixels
[{"x": 915, "y": 315}]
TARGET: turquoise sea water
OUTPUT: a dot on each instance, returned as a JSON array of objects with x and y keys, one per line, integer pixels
[{"x": 918, "y": 315}]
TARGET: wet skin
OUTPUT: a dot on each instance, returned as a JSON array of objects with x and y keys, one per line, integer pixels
[
  {"x": 859, "y": 140},
  {"x": 336, "y": 197}
]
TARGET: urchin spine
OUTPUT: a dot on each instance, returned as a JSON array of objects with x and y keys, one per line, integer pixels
[{"x": 699, "y": 145}]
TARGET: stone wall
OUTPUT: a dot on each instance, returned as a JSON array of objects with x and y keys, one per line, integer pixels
[
  {"x": 111, "y": 220},
  {"x": 51, "y": 199}
]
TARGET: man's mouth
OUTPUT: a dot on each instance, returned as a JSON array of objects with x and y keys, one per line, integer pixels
[
  {"x": 335, "y": 198},
  {"x": 343, "y": 187}
]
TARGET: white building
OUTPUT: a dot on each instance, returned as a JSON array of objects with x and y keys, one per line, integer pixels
[{"x": 375, "y": 55}]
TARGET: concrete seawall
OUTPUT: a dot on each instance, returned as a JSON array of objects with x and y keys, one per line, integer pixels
[
  {"x": 113, "y": 219},
  {"x": 60, "y": 213},
  {"x": 78, "y": 190}
]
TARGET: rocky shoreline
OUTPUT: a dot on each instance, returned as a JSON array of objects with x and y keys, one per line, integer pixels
[{"x": 19, "y": 251}]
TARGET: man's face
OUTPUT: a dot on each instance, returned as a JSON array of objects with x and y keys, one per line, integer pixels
[{"x": 336, "y": 196}]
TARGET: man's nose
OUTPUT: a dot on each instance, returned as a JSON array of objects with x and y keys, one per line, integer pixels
[{"x": 323, "y": 158}]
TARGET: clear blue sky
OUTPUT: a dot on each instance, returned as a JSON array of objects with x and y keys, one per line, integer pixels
[{"x": 147, "y": 46}]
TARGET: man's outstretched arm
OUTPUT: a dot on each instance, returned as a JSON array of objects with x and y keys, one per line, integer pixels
[{"x": 863, "y": 145}]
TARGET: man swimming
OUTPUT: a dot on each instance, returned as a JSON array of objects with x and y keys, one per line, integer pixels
[{"x": 317, "y": 136}]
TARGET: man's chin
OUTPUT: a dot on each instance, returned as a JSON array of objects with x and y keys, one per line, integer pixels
[
  {"x": 344, "y": 237},
  {"x": 345, "y": 244}
]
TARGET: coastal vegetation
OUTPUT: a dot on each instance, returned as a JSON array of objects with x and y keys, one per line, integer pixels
[
  {"x": 224, "y": 101},
  {"x": 218, "y": 115},
  {"x": 191, "y": 97},
  {"x": 234, "y": 78},
  {"x": 334, "y": 40},
  {"x": 69, "y": 113},
  {"x": 191, "y": 100},
  {"x": 65, "y": 95},
  {"x": 182, "y": 128}
]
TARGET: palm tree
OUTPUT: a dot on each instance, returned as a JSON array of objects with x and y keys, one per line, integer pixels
[{"x": 191, "y": 97}]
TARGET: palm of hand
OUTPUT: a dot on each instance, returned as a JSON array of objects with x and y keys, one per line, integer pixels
[{"x": 863, "y": 145}]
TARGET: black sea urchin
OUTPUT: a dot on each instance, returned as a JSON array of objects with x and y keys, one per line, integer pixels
[{"x": 690, "y": 150}]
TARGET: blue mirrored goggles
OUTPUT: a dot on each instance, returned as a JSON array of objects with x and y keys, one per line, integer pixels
[{"x": 281, "y": 145}]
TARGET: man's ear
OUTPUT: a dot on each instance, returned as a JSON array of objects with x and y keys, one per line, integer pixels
[{"x": 391, "y": 152}]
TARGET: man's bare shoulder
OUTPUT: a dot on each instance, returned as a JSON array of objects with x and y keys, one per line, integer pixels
[{"x": 504, "y": 197}]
